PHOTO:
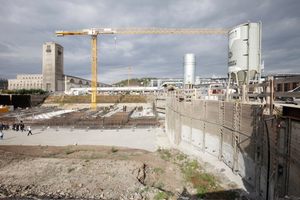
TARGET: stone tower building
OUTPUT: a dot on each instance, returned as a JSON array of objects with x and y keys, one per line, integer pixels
[{"x": 53, "y": 67}]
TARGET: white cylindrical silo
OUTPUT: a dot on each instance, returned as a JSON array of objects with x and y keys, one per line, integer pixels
[
  {"x": 189, "y": 69},
  {"x": 244, "y": 52}
]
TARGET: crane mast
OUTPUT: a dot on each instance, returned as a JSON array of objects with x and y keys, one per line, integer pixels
[
  {"x": 95, "y": 31},
  {"x": 128, "y": 72},
  {"x": 94, "y": 73}
]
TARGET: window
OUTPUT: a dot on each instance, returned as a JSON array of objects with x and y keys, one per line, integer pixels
[
  {"x": 48, "y": 50},
  {"x": 278, "y": 87},
  {"x": 294, "y": 85},
  {"x": 285, "y": 87}
]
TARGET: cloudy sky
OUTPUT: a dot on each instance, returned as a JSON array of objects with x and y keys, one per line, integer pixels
[{"x": 26, "y": 25}]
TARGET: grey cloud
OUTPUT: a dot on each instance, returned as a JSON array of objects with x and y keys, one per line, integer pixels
[{"x": 26, "y": 25}]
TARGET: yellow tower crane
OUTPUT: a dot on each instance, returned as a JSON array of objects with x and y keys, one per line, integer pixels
[
  {"x": 128, "y": 71},
  {"x": 93, "y": 32}
]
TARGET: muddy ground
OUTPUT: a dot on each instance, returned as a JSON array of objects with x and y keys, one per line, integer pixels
[{"x": 101, "y": 172}]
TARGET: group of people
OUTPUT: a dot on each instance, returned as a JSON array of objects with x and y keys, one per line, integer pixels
[
  {"x": 4, "y": 127},
  {"x": 15, "y": 127},
  {"x": 18, "y": 126}
]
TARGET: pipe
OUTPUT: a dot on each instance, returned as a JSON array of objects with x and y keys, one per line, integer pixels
[{"x": 268, "y": 174}]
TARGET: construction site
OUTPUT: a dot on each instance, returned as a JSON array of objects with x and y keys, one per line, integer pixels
[{"x": 247, "y": 145}]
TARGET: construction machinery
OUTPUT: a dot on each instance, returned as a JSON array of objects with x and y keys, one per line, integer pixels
[
  {"x": 171, "y": 87},
  {"x": 93, "y": 32},
  {"x": 128, "y": 71}
]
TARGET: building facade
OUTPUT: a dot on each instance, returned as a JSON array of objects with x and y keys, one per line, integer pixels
[
  {"x": 53, "y": 77},
  {"x": 26, "y": 81}
]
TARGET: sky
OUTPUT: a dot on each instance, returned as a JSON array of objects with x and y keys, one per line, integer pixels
[{"x": 26, "y": 25}]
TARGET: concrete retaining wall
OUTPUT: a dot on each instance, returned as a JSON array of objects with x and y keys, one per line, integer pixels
[
  {"x": 229, "y": 131},
  {"x": 235, "y": 133}
]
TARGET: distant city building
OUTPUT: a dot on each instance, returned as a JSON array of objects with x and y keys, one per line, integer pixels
[
  {"x": 284, "y": 87},
  {"x": 53, "y": 77},
  {"x": 26, "y": 81},
  {"x": 163, "y": 81},
  {"x": 3, "y": 83}
]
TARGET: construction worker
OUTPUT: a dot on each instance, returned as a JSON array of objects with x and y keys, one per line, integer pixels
[{"x": 29, "y": 131}]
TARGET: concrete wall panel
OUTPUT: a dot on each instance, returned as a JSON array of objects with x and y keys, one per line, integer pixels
[
  {"x": 212, "y": 144},
  {"x": 263, "y": 183},
  {"x": 227, "y": 154},
  {"x": 177, "y": 126},
  {"x": 212, "y": 111},
  {"x": 186, "y": 129},
  {"x": 212, "y": 129},
  {"x": 197, "y": 138},
  {"x": 199, "y": 109},
  {"x": 294, "y": 182},
  {"x": 229, "y": 114},
  {"x": 249, "y": 117},
  {"x": 246, "y": 167},
  {"x": 247, "y": 145},
  {"x": 186, "y": 133},
  {"x": 295, "y": 141},
  {"x": 294, "y": 176},
  {"x": 188, "y": 109},
  {"x": 227, "y": 136}
]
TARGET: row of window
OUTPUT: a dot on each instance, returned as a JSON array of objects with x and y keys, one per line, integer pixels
[
  {"x": 30, "y": 81},
  {"x": 284, "y": 87},
  {"x": 32, "y": 78},
  {"x": 25, "y": 84}
]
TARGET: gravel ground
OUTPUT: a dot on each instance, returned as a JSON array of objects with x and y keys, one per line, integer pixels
[{"x": 91, "y": 164}]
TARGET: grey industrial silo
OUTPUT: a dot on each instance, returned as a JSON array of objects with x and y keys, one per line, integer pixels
[
  {"x": 189, "y": 70},
  {"x": 244, "y": 53}
]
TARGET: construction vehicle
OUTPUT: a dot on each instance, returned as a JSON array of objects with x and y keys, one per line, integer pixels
[
  {"x": 93, "y": 32},
  {"x": 171, "y": 87}
]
